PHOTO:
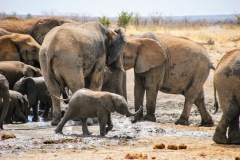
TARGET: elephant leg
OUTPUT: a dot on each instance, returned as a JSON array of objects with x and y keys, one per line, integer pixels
[
  {"x": 109, "y": 123},
  {"x": 220, "y": 131},
  {"x": 20, "y": 116},
  {"x": 234, "y": 132},
  {"x": 9, "y": 116},
  {"x": 229, "y": 113},
  {"x": 85, "y": 127},
  {"x": 139, "y": 91},
  {"x": 206, "y": 117},
  {"x": 184, "y": 118},
  {"x": 47, "y": 108},
  {"x": 102, "y": 123},
  {"x": 35, "y": 113},
  {"x": 65, "y": 119},
  {"x": 151, "y": 96}
]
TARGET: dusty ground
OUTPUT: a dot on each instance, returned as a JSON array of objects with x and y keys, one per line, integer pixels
[{"x": 126, "y": 137}]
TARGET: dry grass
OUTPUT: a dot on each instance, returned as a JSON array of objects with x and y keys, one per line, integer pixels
[{"x": 227, "y": 34}]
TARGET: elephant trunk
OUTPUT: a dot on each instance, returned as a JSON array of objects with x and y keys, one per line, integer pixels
[{"x": 128, "y": 114}]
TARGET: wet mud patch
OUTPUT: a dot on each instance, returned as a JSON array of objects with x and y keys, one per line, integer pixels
[{"x": 40, "y": 136}]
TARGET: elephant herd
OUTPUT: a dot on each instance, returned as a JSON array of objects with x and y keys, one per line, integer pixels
[{"x": 40, "y": 57}]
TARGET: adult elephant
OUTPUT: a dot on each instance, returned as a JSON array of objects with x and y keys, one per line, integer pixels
[
  {"x": 19, "y": 47},
  {"x": 4, "y": 97},
  {"x": 172, "y": 65},
  {"x": 73, "y": 54},
  {"x": 36, "y": 27},
  {"x": 227, "y": 85},
  {"x": 18, "y": 108},
  {"x": 15, "y": 70}
]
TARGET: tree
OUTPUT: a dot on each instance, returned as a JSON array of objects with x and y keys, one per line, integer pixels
[
  {"x": 29, "y": 16},
  {"x": 136, "y": 19},
  {"x": 156, "y": 18},
  {"x": 124, "y": 19},
  {"x": 237, "y": 16},
  {"x": 104, "y": 21}
]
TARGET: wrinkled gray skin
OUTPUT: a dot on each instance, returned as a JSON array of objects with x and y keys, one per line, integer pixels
[
  {"x": 36, "y": 90},
  {"x": 19, "y": 47},
  {"x": 15, "y": 70},
  {"x": 115, "y": 82},
  {"x": 74, "y": 53},
  {"x": 4, "y": 97},
  {"x": 172, "y": 65},
  {"x": 227, "y": 85},
  {"x": 36, "y": 27},
  {"x": 86, "y": 103},
  {"x": 18, "y": 108}
]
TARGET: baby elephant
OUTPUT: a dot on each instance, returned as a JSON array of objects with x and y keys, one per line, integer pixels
[
  {"x": 18, "y": 108},
  {"x": 86, "y": 103}
]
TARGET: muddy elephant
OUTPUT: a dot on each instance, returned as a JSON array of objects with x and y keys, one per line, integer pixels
[
  {"x": 18, "y": 108},
  {"x": 36, "y": 27},
  {"x": 4, "y": 98},
  {"x": 227, "y": 85},
  {"x": 172, "y": 65},
  {"x": 19, "y": 47},
  {"x": 4, "y": 32},
  {"x": 15, "y": 70},
  {"x": 86, "y": 103},
  {"x": 73, "y": 53},
  {"x": 36, "y": 90}
]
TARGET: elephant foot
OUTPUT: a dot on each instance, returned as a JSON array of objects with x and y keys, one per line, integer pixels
[
  {"x": 182, "y": 121},
  {"x": 35, "y": 119},
  {"x": 87, "y": 133},
  {"x": 56, "y": 119},
  {"x": 220, "y": 138},
  {"x": 148, "y": 117},
  {"x": 234, "y": 137},
  {"x": 58, "y": 131},
  {"x": 207, "y": 124}
]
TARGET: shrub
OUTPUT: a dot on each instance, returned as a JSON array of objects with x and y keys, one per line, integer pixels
[
  {"x": 104, "y": 21},
  {"x": 124, "y": 19}
]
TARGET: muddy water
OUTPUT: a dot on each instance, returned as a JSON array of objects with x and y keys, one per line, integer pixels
[{"x": 33, "y": 135}]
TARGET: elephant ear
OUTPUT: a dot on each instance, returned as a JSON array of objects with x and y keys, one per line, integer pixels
[
  {"x": 29, "y": 84},
  {"x": 20, "y": 102},
  {"x": 42, "y": 27},
  {"x": 116, "y": 42},
  {"x": 107, "y": 102},
  {"x": 30, "y": 71},
  {"x": 150, "y": 54}
]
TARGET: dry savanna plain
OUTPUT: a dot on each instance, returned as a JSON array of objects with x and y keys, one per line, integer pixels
[{"x": 37, "y": 140}]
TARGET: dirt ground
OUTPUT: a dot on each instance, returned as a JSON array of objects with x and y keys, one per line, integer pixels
[{"x": 37, "y": 140}]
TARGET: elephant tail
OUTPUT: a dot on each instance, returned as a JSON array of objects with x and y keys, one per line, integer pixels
[
  {"x": 215, "y": 99},
  {"x": 65, "y": 100}
]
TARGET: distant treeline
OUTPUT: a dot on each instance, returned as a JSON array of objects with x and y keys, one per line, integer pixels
[{"x": 154, "y": 19}]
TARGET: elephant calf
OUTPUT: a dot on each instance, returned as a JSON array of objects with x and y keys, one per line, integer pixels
[
  {"x": 18, "y": 108},
  {"x": 227, "y": 85},
  {"x": 86, "y": 103},
  {"x": 36, "y": 90}
]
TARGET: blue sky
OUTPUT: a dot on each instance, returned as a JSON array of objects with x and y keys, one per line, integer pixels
[{"x": 112, "y": 8}]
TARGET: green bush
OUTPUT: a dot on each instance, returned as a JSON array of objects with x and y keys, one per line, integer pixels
[
  {"x": 104, "y": 21},
  {"x": 124, "y": 19}
]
